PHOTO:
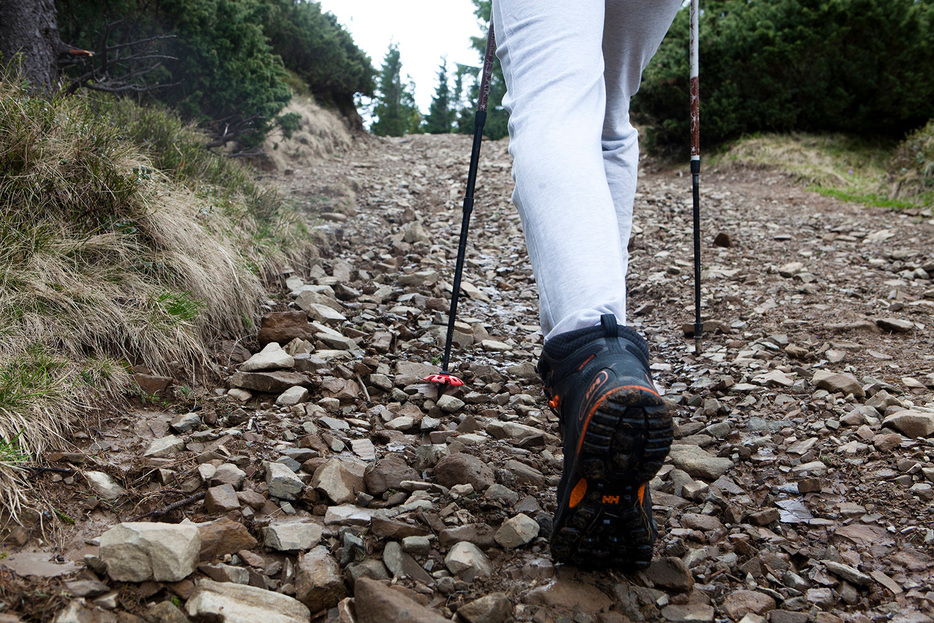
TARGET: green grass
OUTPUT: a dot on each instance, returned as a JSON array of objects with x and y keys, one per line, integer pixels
[
  {"x": 872, "y": 173},
  {"x": 10, "y": 452},
  {"x": 872, "y": 200}
]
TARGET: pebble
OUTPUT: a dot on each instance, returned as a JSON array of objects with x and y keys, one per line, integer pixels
[
  {"x": 137, "y": 552},
  {"x": 468, "y": 561},
  {"x": 224, "y": 601},
  {"x": 293, "y": 535},
  {"x": 282, "y": 482},
  {"x": 517, "y": 531}
]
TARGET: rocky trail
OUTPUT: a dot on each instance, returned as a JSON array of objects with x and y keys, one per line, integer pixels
[{"x": 319, "y": 478}]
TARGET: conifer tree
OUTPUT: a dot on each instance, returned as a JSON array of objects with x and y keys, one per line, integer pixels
[
  {"x": 440, "y": 114},
  {"x": 395, "y": 111}
]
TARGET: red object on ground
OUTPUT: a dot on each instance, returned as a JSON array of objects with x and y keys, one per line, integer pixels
[{"x": 444, "y": 379}]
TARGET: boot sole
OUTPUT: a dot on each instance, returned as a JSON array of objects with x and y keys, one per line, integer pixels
[{"x": 623, "y": 446}]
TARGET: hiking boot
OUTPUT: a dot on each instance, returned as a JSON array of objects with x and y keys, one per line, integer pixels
[{"x": 617, "y": 432}]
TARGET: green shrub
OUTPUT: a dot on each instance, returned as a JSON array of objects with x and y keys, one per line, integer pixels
[
  {"x": 220, "y": 69},
  {"x": 314, "y": 46},
  {"x": 864, "y": 67},
  {"x": 913, "y": 168}
]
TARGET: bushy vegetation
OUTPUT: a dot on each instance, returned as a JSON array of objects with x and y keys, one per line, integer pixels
[
  {"x": 395, "y": 110},
  {"x": 864, "y": 67},
  {"x": 223, "y": 62},
  {"x": 122, "y": 242},
  {"x": 913, "y": 169},
  {"x": 314, "y": 46}
]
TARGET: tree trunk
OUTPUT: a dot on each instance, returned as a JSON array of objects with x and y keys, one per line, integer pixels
[{"x": 29, "y": 41}]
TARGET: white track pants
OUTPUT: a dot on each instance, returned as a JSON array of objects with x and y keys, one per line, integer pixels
[{"x": 571, "y": 67}]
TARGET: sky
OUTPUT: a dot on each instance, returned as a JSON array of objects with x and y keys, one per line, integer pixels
[{"x": 425, "y": 30}]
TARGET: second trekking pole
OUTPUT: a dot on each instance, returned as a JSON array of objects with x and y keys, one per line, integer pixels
[
  {"x": 695, "y": 169},
  {"x": 444, "y": 377}
]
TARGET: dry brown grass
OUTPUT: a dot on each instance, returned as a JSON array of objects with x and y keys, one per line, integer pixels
[
  {"x": 319, "y": 134},
  {"x": 106, "y": 263}
]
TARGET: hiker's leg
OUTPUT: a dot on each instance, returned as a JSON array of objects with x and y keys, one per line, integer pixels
[
  {"x": 632, "y": 33},
  {"x": 552, "y": 56}
]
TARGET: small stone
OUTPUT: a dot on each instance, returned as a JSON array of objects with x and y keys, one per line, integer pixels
[
  {"x": 388, "y": 473},
  {"x": 848, "y": 573},
  {"x": 787, "y": 616},
  {"x": 165, "y": 612},
  {"x": 85, "y": 588},
  {"x": 912, "y": 423},
  {"x": 495, "y": 346},
  {"x": 282, "y": 482},
  {"x": 820, "y": 597},
  {"x": 468, "y": 561},
  {"x": 375, "y": 602},
  {"x": 689, "y": 613},
  {"x": 841, "y": 382},
  {"x": 722, "y": 239},
  {"x": 517, "y": 531},
  {"x": 274, "y": 382},
  {"x": 492, "y": 608},
  {"x": 670, "y": 573},
  {"x": 240, "y": 395},
  {"x": 272, "y": 357},
  {"x": 169, "y": 445},
  {"x": 363, "y": 448},
  {"x": 340, "y": 480},
  {"x": 923, "y": 490},
  {"x": 228, "y": 474},
  {"x": 283, "y": 327},
  {"x": 292, "y": 396},
  {"x": 742, "y": 602},
  {"x": 765, "y": 517},
  {"x": 495, "y": 493},
  {"x": 571, "y": 595},
  {"x": 221, "y": 572},
  {"x": 222, "y": 537},
  {"x": 480, "y": 534},
  {"x": 289, "y": 536},
  {"x": 141, "y": 551},
  {"x": 185, "y": 422},
  {"x": 416, "y": 545},
  {"x": 698, "y": 462},
  {"x": 460, "y": 468},
  {"x": 318, "y": 583},
  {"x": 895, "y": 325},
  {"x": 236, "y": 603},
  {"x": 323, "y": 313},
  {"x": 221, "y": 499},
  {"x": 450, "y": 404},
  {"x": 252, "y": 499},
  {"x": 402, "y": 565},
  {"x": 525, "y": 474},
  {"x": 104, "y": 485},
  {"x": 790, "y": 269}
]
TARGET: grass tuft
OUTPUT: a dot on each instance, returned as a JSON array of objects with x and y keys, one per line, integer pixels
[{"x": 123, "y": 241}]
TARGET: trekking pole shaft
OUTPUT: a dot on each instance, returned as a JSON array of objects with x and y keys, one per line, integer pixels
[
  {"x": 695, "y": 168},
  {"x": 479, "y": 122}
]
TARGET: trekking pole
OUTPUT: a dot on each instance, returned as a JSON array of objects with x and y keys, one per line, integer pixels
[
  {"x": 695, "y": 169},
  {"x": 444, "y": 377}
]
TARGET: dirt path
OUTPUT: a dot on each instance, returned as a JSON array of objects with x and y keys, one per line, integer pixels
[{"x": 799, "y": 489}]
